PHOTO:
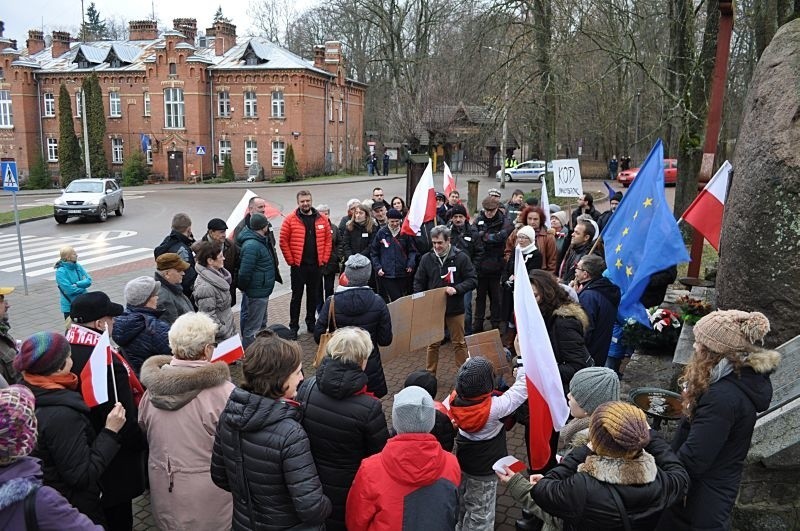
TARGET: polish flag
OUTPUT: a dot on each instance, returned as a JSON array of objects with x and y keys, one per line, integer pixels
[
  {"x": 94, "y": 375},
  {"x": 545, "y": 204},
  {"x": 705, "y": 212},
  {"x": 449, "y": 181},
  {"x": 546, "y": 397},
  {"x": 447, "y": 278},
  {"x": 240, "y": 210},
  {"x": 423, "y": 204},
  {"x": 229, "y": 350}
]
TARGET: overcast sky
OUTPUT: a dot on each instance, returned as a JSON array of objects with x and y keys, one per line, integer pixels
[{"x": 22, "y": 15}]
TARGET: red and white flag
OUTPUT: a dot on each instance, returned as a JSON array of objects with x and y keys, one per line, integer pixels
[
  {"x": 544, "y": 202},
  {"x": 229, "y": 350},
  {"x": 546, "y": 397},
  {"x": 240, "y": 210},
  {"x": 423, "y": 204},
  {"x": 94, "y": 375},
  {"x": 449, "y": 181},
  {"x": 705, "y": 212}
]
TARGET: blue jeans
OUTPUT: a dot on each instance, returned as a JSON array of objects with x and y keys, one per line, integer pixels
[
  {"x": 253, "y": 318},
  {"x": 468, "y": 313}
]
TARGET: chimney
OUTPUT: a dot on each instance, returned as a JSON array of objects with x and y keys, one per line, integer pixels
[
  {"x": 319, "y": 56},
  {"x": 187, "y": 26},
  {"x": 61, "y": 43},
  {"x": 143, "y": 30},
  {"x": 35, "y": 42},
  {"x": 333, "y": 56},
  {"x": 14, "y": 43},
  {"x": 224, "y": 34}
]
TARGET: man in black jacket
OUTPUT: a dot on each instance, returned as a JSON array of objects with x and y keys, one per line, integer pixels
[
  {"x": 599, "y": 298},
  {"x": 448, "y": 267},
  {"x": 180, "y": 241},
  {"x": 465, "y": 237},
  {"x": 585, "y": 206},
  {"x": 580, "y": 245},
  {"x": 493, "y": 229}
]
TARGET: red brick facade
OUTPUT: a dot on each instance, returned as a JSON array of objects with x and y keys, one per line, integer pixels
[{"x": 250, "y": 95}]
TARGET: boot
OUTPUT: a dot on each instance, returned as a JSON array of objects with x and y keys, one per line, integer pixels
[
  {"x": 508, "y": 338},
  {"x": 528, "y": 522}
]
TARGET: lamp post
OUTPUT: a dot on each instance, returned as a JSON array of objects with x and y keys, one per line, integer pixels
[{"x": 85, "y": 136}]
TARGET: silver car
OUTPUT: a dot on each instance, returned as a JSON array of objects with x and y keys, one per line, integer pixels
[
  {"x": 89, "y": 198},
  {"x": 530, "y": 170}
]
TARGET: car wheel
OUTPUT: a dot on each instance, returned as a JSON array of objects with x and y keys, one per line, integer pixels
[
  {"x": 120, "y": 208},
  {"x": 102, "y": 214},
  {"x": 508, "y": 178},
  {"x": 60, "y": 219}
]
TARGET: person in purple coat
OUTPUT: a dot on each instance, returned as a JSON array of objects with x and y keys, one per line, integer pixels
[{"x": 21, "y": 489}]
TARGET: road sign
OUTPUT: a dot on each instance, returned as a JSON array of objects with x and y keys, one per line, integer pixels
[
  {"x": 8, "y": 169},
  {"x": 200, "y": 150}
]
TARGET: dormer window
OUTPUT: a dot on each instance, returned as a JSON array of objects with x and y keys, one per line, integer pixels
[
  {"x": 83, "y": 64},
  {"x": 251, "y": 57},
  {"x": 116, "y": 63},
  {"x": 251, "y": 60}
]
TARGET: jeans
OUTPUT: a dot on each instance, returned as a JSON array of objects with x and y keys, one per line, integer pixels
[
  {"x": 308, "y": 279},
  {"x": 253, "y": 317},
  {"x": 468, "y": 313},
  {"x": 477, "y": 495},
  {"x": 487, "y": 285},
  {"x": 455, "y": 324}
]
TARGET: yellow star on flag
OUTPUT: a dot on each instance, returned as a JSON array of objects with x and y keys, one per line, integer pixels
[
  {"x": 618, "y": 263},
  {"x": 628, "y": 270},
  {"x": 618, "y": 248},
  {"x": 635, "y": 215},
  {"x": 648, "y": 202},
  {"x": 626, "y": 231}
]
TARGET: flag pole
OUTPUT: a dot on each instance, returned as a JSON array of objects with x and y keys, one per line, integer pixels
[{"x": 111, "y": 366}]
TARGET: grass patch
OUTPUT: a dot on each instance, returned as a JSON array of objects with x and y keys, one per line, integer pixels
[
  {"x": 27, "y": 213},
  {"x": 710, "y": 261}
]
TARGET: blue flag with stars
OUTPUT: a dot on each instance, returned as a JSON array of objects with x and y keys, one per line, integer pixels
[{"x": 642, "y": 236}]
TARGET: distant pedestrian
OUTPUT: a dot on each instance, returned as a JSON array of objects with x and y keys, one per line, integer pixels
[
  {"x": 180, "y": 241},
  {"x": 216, "y": 232},
  {"x": 139, "y": 332},
  {"x": 256, "y": 277},
  {"x": 212, "y": 289},
  {"x": 613, "y": 168},
  {"x": 386, "y": 159},
  {"x": 71, "y": 278},
  {"x": 170, "y": 271},
  {"x": 8, "y": 345}
]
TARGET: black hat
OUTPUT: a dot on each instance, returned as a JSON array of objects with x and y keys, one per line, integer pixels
[
  {"x": 379, "y": 204},
  {"x": 616, "y": 197},
  {"x": 258, "y": 222},
  {"x": 92, "y": 306},
  {"x": 217, "y": 224},
  {"x": 475, "y": 377},
  {"x": 394, "y": 214},
  {"x": 456, "y": 209},
  {"x": 424, "y": 379},
  {"x": 440, "y": 196}
]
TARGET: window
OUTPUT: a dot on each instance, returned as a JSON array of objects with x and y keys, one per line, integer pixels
[
  {"x": 78, "y": 106},
  {"x": 116, "y": 63},
  {"x": 116, "y": 151},
  {"x": 224, "y": 103},
  {"x": 224, "y": 150},
  {"x": 341, "y": 109},
  {"x": 251, "y": 60},
  {"x": 173, "y": 108},
  {"x": 114, "y": 104},
  {"x": 278, "y": 153},
  {"x": 250, "y": 152},
  {"x": 52, "y": 150},
  {"x": 147, "y": 104},
  {"x": 173, "y": 69},
  {"x": 330, "y": 109},
  {"x": 6, "y": 116},
  {"x": 49, "y": 104},
  {"x": 250, "y": 105},
  {"x": 148, "y": 154},
  {"x": 278, "y": 105}
]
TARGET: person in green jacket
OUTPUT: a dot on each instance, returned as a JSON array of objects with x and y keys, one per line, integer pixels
[{"x": 256, "y": 277}]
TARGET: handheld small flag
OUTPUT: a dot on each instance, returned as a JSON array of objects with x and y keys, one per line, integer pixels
[{"x": 229, "y": 350}]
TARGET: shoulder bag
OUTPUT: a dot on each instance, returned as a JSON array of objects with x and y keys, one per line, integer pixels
[{"x": 324, "y": 338}]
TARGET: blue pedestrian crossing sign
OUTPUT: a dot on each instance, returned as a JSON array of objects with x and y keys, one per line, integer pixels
[
  {"x": 8, "y": 171},
  {"x": 200, "y": 150}
]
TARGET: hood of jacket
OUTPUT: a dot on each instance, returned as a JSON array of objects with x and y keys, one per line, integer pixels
[
  {"x": 17, "y": 479},
  {"x": 606, "y": 288},
  {"x": 249, "y": 234},
  {"x": 171, "y": 387},
  {"x": 66, "y": 265},
  {"x": 754, "y": 380},
  {"x": 573, "y": 310},
  {"x": 132, "y": 323},
  {"x": 413, "y": 458},
  {"x": 246, "y": 411},
  {"x": 170, "y": 242},
  {"x": 213, "y": 278},
  {"x": 618, "y": 471},
  {"x": 339, "y": 379},
  {"x": 59, "y": 397}
]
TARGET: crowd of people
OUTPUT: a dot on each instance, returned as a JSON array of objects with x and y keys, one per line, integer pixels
[{"x": 278, "y": 451}]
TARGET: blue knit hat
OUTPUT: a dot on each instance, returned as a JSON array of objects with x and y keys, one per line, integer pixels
[{"x": 43, "y": 353}]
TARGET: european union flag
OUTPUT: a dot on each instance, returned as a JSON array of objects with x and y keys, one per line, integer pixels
[
  {"x": 145, "y": 139},
  {"x": 642, "y": 237}
]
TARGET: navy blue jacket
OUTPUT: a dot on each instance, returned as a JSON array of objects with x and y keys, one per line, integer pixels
[
  {"x": 600, "y": 300},
  {"x": 140, "y": 334},
  {"x": 393, "y": 254}
]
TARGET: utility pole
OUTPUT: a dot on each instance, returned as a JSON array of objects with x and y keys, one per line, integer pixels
[
  {"x": 83, "y": 26},
  {"x": 85, "y": 121},
  {"x": 636, "y": 149}
]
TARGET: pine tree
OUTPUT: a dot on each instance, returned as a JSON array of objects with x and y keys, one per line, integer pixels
[
  {"x": 39, "y": 176},
  {"x": 134, "y": 170},
  {"x": 290, "y": 169},
  {"x": 219, "y": 17},
  {"x": 94, "y": 29},
  {"x": 69, "y": 151},
  {"x": 96, "y": 125},
  {"x": 227, "y": 174}
]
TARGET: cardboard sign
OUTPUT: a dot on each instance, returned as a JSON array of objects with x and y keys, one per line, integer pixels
[
  {"x": 489, "y": 345},
  {"x": 417, "y": 321},
  {"x": 567, "y": 178}
]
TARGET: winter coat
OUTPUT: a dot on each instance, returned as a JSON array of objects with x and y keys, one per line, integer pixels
[
  {"x": 657, "y": 287},
  {"x": 397, "y": 488},
  {"x": 579, "y": 489},
  {"x": 592, "y": 211},
  {"x": 454, "y": 271},
  {"x": 74, "y": 456},
  {"x": 344, "y": 425},
  {"x": 603, "y": 219},
  {"x": 182, "y": 405},
  {"x": 270, "y": 240},
  {"x": 361, "y": 307},
  {"x": 533, "y": 260},
  {"x": 566, "y": 328},
  {"x": 72, "y": 280},
  {"x": 262, "y": 456},
  {"x": 493, "y": 233},
  {"x": 545, "y": 243},
  {"x": 562, "y": 246},
  {"x": 466, "y": 238},
  {"x": 53, "y": 511},
  {"x": 714, "y": 443},
  {"x": 358, "y": 240},
  {"x": 600, "y": 300},
  {"x": 334, "y": 262},
  {"x": 140, "y": 334},
  {"x": 180, "y": 244},
  {"x": 393, "y": 254},
  {"x": 293, "y": 237},
  {"x": 231, "y": 253},
  {"x": 256, "y": 266},
  {"x": 571, "y": 259},
  {"x": 212, "y": 295},
  {"x": 172, "y": 301},
  {"x": 422, "y": 240},
  {"x": 8, "y": 351}
]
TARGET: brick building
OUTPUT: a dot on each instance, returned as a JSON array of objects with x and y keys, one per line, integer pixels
[{"x": 172, "y": 93}]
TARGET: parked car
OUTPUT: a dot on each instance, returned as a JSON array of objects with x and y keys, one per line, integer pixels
[
  {"x": 89, "y": 198},
  {"x": 530, "y": 170},
  {"x": 670, "y": 173}
]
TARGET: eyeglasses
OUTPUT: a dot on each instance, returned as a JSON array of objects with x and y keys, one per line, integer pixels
[{"x": 579, "y": 268}]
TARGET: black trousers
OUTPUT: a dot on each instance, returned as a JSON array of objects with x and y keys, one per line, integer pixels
[
  {"x": 392, "y": 289},
  {"x": 326, "y": 288},
  {"x": 309, "y": 279},
  {"x": 487, "y": 285},
  {"x": 119, "y": 517}
]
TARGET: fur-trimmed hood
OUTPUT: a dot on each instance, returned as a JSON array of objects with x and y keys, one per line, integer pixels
[
  {"x": 618, "y": 471},
  {"x": 171, "y": 387},
  {"x": 763, "y": 361},
  {"x": 575, "y": 311}
]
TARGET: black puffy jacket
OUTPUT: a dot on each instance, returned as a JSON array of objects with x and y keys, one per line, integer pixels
[
  {"x": 454, "y": 271},
  {"x": 566, "y": 328},
  {"x": 344, "y": 425},
  {"x": 493, "y": 232},
  {"x": 178, "y": 243},
  {"x": 141, "y": 334},
  {"x": 357, "y": 240},
  {"x": 361, "y": 307},
  {"x": 466, "y": 238},
  {"x": 262, "y": 456}
]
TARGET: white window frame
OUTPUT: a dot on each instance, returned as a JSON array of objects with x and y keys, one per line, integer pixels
[
  {"x": 52, "y": 149},
  {"x": 330, "y": 109},
  {"x": 78, "y": 106},
  {"x": 6, "y": 110},
  {"x": 148, "y": 155},
  {"x": 224, "y": 150},
  {"x": 49, "y": 104},
  {"x": 278, "y": 104},
  {"x": 117, "y": 154},
  {"x": 341, "y": 109},
  {"x": 146, "y": 98},
  {"x": 250, "y": 104},
  {"x": 278, "y": 153},
  {"x": 224, "y": 104},
  {"x": 250, "y": 152},
  {"x": 174, "y": 109},
  {"x": 114, "y": 104}
]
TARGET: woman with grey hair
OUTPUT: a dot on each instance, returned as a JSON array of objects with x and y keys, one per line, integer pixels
[
  {"x": 71, "y": 278},
  {"x": 185, "y": 396},
  {"x": 344, "y": 422}
]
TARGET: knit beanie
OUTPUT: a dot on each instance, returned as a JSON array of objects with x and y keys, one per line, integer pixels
[
  {"x": 43, "y": 353},
  {"x": 17, "y": 423},
  {"x": 562, "y": 217},
  {"x": 413, "y": 411},
  {"x": 528, "y": 231},
  {"x": 139, "y": 290},
  {"x": 424, "y": 379},
  {"x": 258, "y": 222},
  {"x": 618, "y": 429},
  {"x": 394, "y": 214},
  {"x": 731, "y": 331},
  {"x": 593, "y": 386},
  {"x": 475, "y": 377},
  {"x": 456, "y": 209},
  {"x": 358, "y": 270}
]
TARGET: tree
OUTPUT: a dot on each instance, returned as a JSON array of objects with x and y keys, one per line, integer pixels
[
  {"x": 135, "y": 169},
  {"x": 69, "y": 151},
  {"x": 227, "y": 174},
  {"x": 94, "y": 28},
  {"x": 96, "y": 124},
  {"x": 39, "y": 176},
  {"x": 290, "y": 169},
  {"x": 219, "y": 17}
]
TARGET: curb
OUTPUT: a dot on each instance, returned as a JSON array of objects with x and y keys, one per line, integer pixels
[{"x": 37, "y": 218}]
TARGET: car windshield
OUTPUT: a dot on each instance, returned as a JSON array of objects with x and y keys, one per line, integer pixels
[{"x": 83, "y": 187}]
